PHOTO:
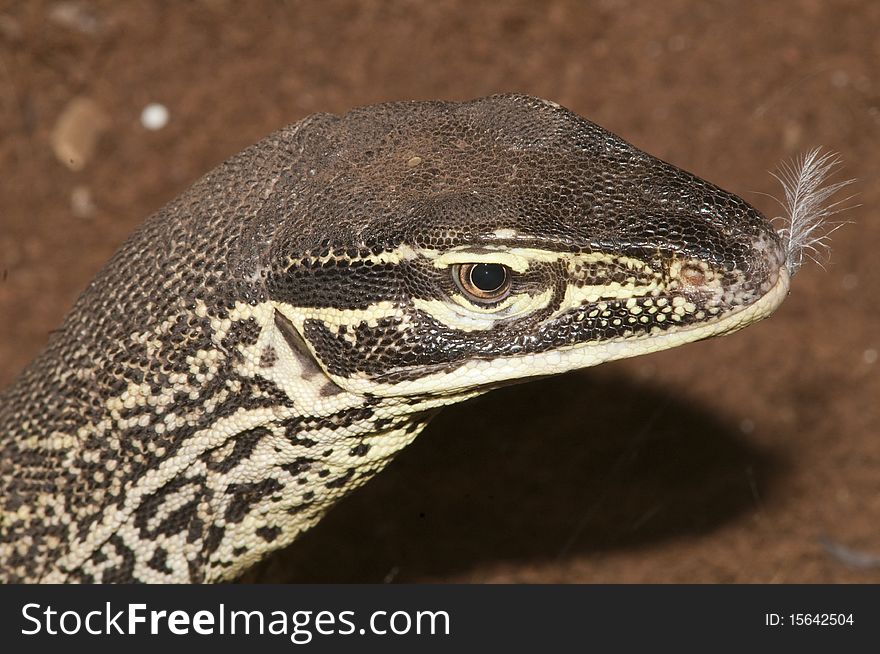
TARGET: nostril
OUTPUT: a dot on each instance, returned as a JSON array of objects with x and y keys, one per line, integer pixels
[{"x": 692, "y": 276}]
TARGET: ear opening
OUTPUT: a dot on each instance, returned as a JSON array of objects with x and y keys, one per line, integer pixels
[{"x": 297, "y": 343}]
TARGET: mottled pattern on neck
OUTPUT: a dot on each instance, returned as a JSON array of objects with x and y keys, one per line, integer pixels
[{"x": 229, "y": 450}]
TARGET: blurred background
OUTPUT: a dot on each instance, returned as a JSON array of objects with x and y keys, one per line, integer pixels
[{"x": 749, "y": 458}]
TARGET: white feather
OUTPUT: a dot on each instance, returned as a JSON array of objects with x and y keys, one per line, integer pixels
[{"x": 808, "y": 206}]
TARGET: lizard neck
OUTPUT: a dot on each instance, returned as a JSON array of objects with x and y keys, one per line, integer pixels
[{"x": 208, "y": 441}]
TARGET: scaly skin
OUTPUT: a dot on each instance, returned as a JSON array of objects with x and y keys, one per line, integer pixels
[{"x": 267, "y": 341}]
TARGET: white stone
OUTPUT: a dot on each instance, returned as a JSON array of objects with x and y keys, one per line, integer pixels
[{"x": 154, "y": 116}]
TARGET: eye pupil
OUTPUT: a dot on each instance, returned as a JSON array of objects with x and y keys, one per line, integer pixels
[
  {"x": 483, "y": 282},
  {"x": 488, "y": 277}
]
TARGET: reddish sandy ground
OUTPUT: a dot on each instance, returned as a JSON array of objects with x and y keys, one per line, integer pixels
[{"x": 751, "y": 458}]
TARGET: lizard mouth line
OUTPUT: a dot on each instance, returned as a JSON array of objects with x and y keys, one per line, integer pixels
[{"x": 442, "y": 380}]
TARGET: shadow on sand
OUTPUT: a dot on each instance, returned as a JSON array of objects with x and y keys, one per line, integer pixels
[{"x": 568, "y": 465}]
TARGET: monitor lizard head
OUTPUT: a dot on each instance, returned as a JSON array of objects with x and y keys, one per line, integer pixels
[{"x": 440, "y": 248}]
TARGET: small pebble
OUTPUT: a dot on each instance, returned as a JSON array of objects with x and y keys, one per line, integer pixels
[
  {"x": 870, "y": 356},
  {"x": 77, "y": 131},
  {"x": 154, "y": 116}
]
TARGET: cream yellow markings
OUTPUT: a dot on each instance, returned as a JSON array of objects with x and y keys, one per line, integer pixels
[
  {"x": 466, "y": 316},
  {"x": 269, "y": 454},
  {"x": 402, "y": 253},
  {"x": 519, "y": 259},
  {"x": 269, "y": 514},
  {"x": 119, "y": 520},
  {"x": 581, "y": 355},
  {"x": 335, "y": 318},
  {"x": 462, "y": 314},
  {"x": 485, "y": 254},
  {"x": 304, "y": 387},
  {"x": 48, "y": 508},
  {"x": 204, "y": 364},
  {"x": 576, "y": 296},
  {"x": 288, "y": 372},
  {"x": 306, "y": 391}
]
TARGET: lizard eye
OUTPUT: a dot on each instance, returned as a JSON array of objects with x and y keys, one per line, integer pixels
[{"x": 483, "y": 282}]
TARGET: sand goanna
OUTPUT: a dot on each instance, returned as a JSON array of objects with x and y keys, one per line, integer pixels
[{"x": 270, "y": 339}]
